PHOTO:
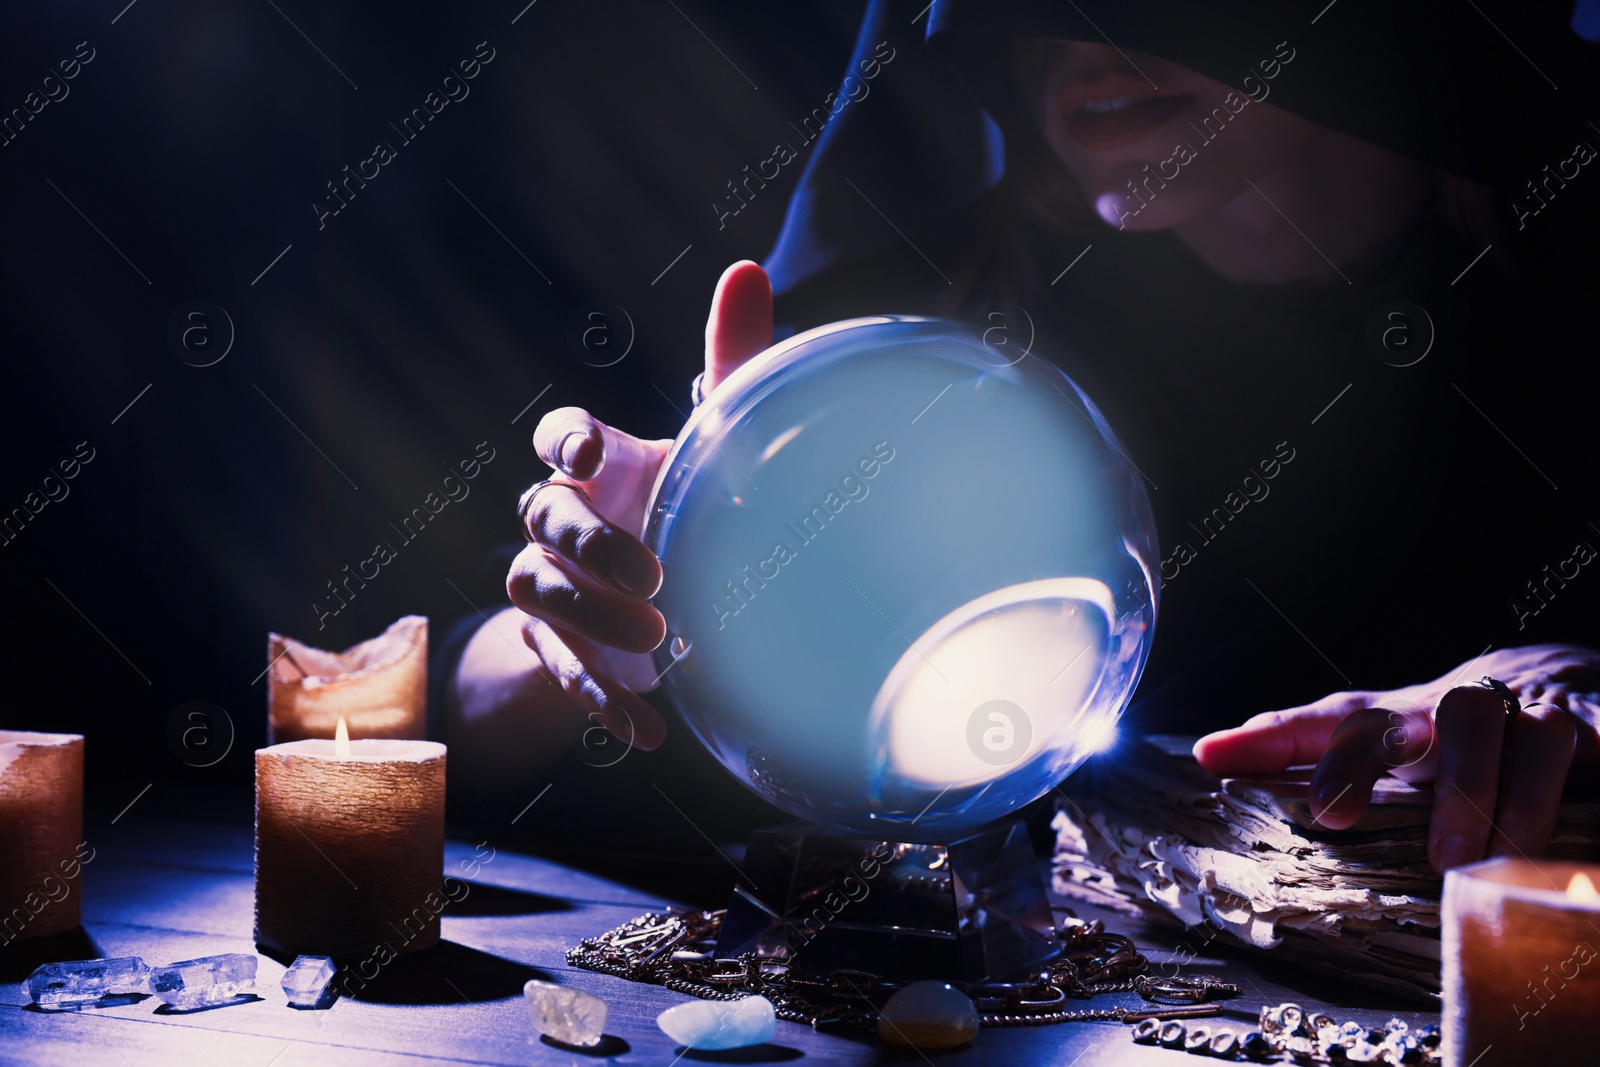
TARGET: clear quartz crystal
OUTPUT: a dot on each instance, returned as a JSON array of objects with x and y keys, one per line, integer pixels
[
  {"x": 76, "y": 983},
  {"x": 306, "y": 980},
  {"x": 202, "y": 982},
  {"x": 568, "y": 1015}
]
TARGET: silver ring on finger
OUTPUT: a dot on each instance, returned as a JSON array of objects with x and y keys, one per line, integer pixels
[
  {"x": 525, "y": 502},
  {"x": 697, "y": 390},
  {"x": 1503, "y": 691}
]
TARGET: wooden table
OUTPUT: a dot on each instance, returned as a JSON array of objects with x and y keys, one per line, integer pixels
[{"x": 168, "y": 890}]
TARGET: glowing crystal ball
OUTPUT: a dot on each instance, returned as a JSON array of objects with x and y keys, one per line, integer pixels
[{"x": 908, "y": 577}]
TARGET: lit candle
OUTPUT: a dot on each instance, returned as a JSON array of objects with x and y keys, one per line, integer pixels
[
  {"x": 349, "y": 845},
  {"x": 1521, "y": 963},
  {"x": 379, "y": 686},
  {"x": 41, "y": 833}
]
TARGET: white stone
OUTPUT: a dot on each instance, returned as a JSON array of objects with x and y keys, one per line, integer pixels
[
  {"x": 720, "y": 1024},
  {"x": 568, "y": 1015}
]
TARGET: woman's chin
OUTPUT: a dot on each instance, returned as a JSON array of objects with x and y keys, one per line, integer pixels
[{"x": 1121, "y": 211}]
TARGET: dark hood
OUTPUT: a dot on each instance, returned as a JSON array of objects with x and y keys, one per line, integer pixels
[{"x": 1487, "y": 90}]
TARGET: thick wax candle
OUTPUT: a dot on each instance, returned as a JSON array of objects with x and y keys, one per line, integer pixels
[
  {"x": 41, "y": 833},
  {"x": 349, "y": 846},
  {"x": 380, "y": 686},
  {"x": 1521, "y": 963}
]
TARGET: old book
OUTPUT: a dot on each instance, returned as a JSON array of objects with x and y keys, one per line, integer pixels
[{"x": 1150, "y": 832}]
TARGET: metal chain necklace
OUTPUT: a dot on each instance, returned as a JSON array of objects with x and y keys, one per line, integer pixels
[
  {"x": 673, "y": 949},
  {"x": 1289, "y": 1033}
]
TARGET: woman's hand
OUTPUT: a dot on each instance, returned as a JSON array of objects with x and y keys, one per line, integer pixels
[
  {"x": 586, "y": 580},
  {"x": 1497, "y": 784}
]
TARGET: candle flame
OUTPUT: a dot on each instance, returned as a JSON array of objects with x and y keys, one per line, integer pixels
[
  {"x": 341, "y": 747},
  {"x": 1582, "y": 888}
]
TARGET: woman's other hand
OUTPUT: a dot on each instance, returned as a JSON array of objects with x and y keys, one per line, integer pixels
[{"x": 1497, "y": 783}]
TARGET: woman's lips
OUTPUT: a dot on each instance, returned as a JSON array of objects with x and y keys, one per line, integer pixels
[{"x": 1111, "y": 123}]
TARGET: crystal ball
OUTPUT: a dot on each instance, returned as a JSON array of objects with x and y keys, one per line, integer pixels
[{"x": 908, "y": 577}]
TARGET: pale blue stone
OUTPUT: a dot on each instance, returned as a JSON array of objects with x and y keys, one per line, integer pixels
[
  {"x": 306, "y": 980},
  {"x": 77, "y": 983},
  {"x": 720, "y": 1024},
  {"x": 203, "y": 982}
]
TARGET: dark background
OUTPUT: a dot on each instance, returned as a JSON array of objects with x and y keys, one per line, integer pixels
[{"x": 375, "y": 353}]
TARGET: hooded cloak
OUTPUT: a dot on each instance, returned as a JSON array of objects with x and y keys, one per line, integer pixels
[{"x": 1415, "y": 515}]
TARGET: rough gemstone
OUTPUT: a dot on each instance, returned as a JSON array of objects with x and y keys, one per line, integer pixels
[
  {"x": 306, "y": 980},
  {"x": 209, "y": 980},
  {"x": 76, "y": 983},
  {"x": 928, "y": 1015},
  {"x": 569, "y": 1015},
  {"x": 718, "y": 1024}
]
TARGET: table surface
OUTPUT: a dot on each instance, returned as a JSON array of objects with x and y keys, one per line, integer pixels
[{"x": 169, "y": 890}]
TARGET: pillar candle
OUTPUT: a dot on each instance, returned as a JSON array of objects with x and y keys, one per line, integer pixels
[
  {"x": 1521, "y": 963},
  {"x": 349, "y": 846},
  {"x": 41, "y": 829},
  {"x": 380, "y": 686}
]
